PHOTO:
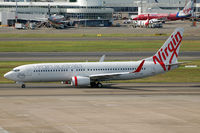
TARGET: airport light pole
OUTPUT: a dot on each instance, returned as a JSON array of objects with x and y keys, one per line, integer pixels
[
  {"x": 16, "y": 14},
  {"x": 141, "y": 6},
  {"x": 179, "y": 5},
  {"x": 86, "y": 13},
  {"x": 194, "y": 16},
  {"x": 49, "y": 10}
]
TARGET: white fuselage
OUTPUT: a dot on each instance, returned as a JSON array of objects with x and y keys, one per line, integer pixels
[{"x": 49, "y": 72}]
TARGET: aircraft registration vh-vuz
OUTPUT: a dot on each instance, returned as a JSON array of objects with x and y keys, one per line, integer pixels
[{"x": 93, "y": 73}]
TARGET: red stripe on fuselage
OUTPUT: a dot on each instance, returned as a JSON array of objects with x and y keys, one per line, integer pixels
[
  {"x": 139, "y": 67},
  {"x": 76, "y": 81}
]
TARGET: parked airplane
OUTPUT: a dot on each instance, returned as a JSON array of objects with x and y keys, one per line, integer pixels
[
  {"x": 153, "y": 23},
  {"x": 144, "y": 23},
  {"x": 58, "y": 21},
  {"x": 185, "y": 13},
  {"x": 85, "y": 74}
]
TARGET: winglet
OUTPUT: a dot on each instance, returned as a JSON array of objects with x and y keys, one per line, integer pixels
[
  {"x": 139, "y": 67},
  {"x": 102, "y": 58}
]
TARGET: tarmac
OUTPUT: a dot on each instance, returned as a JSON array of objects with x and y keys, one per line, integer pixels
[
  {"x": 117, "y": 108},
  {"x": 168, "y": 28},
  {"x": 86, "y": 56}
]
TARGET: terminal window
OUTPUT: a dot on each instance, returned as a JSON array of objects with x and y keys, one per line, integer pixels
[{"x": 72, "y": 0}]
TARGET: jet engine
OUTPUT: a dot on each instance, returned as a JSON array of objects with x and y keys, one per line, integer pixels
[{"x": 80, "y": 81}]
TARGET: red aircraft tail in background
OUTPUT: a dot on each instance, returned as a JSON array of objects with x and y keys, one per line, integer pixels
[{"x": 185, "y": 13}]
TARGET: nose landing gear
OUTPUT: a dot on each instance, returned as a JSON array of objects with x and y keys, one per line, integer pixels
[{"x": 22, "y": 84}]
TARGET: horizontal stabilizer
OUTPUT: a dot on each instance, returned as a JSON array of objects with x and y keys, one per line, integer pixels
[{"x": 178, "y": 63}]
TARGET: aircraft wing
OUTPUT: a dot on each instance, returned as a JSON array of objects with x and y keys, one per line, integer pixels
[
  {"x": 63, "y": 21},
  {"x": 105, "y": 76}
]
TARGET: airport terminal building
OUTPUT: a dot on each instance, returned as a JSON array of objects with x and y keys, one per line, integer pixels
[
  {"x": 95, "y": 12},
  {"x": 92, "y": 11}
]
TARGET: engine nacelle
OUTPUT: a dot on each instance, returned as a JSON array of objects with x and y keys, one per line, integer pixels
[{"x": 80, "y": 81}]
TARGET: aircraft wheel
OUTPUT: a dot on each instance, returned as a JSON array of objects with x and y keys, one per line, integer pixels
[
  {"x": 99, "y": 85},
  {"x": 23, "y": 86},
  {"x": 93, "y": 84}
]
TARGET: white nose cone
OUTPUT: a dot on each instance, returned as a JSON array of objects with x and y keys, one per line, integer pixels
[{"x": 8, "y": 76}]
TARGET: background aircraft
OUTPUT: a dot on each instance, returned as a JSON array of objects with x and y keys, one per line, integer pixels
[
  {"x": 183, "y": 14},
  {"x": 149, "y": 23},
  {"x": 92, "y": 73},
  {"x": 58, "y": 21}
]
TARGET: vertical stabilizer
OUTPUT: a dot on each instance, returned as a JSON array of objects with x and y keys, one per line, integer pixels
[
  {"x": 187, "y": 10},
  {"x": 168, "y": 53}
]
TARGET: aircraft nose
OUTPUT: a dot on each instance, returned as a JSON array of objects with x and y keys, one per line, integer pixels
[{"x": 8, "y": 75}]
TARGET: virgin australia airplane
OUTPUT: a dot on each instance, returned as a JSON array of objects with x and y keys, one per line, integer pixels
[{"x": 85, "y": 74}]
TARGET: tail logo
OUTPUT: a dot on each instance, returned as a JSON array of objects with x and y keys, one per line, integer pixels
[
  {"x": 187, "y": 11},
  {"x": 168, "y": 52}
]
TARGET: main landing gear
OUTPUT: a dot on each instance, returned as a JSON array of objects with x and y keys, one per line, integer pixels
[
  {"x": 96, "y": 85},
  {"x": 23, "y": 86}
]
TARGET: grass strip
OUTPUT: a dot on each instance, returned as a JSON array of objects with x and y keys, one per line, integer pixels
[
  {"x": 36, "y": 35},
  {"x": 90, "y": 46}
]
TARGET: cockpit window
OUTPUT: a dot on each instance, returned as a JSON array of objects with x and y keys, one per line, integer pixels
[{"x": 16, "y": 70}]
